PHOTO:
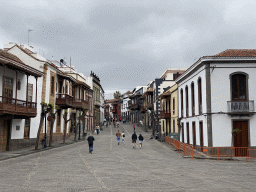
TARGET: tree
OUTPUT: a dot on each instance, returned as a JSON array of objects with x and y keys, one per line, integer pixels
[
  {"x": 43, "y": 116},
  {"x": 117, "y": 95},
  {"x": 53, "y": 117}
]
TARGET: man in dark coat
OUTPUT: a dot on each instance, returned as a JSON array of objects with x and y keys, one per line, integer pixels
[
  {"x": 134, "y": 138},
  {"x": 90, "y": 140}
]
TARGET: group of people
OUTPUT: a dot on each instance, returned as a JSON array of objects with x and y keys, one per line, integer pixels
[
  {"x": 134, "y": 138},
  {"x": 119, "y": 136}
]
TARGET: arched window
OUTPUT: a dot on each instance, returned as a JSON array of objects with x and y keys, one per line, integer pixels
[
  {"x": 239, "y": 87},
  {"x": 192, "y": 99},
  {"x": 199, "y": 83},
  {"x": 187, "y": 109},
  {"x": 181, "y": 101}
]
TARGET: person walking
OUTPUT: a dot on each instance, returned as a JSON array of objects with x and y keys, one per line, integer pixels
[
  {"x": 122, "y": 137},
  {"x": 134, "y": 127},
  {"x": 134, "y": 139},
  {"x": 118, "y": 134},
  {"x": 98, "y": 129},
  {"x": 90, "y": 140},
  {"x": 141, "y": 138}
]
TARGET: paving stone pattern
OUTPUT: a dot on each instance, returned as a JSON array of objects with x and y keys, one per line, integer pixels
[{"x": 112, "y": 167}]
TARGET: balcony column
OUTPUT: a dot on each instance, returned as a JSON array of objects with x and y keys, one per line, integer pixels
[
  {"x": 36, "y": 90},
  {"x": 3, "y": 84},
  {"x": 27, "y": 94},
  {"x": 16, "y": 92},
  {"x": 208, "y": 104}
]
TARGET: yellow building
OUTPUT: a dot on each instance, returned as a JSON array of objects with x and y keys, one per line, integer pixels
[{"x": 169, "y": 112}]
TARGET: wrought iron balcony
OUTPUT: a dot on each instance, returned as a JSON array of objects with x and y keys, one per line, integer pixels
[
  {"x": 240, "y": 107},
  {"x": 18, "y": 108}
]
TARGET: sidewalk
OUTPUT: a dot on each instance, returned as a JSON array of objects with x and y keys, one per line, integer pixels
[{"x": 29, "y": 150}]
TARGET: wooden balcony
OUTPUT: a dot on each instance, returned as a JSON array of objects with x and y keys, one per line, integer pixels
[
  {"x": 241, "y": 108},
  {"x": 80, "y": 104},
  {"x": 18, "y": 108},
  {"x": 150, "y": 106},
  {"x": 64, "y": 101},
  {"x": 165, "y": 114},
  {"x": 143, "y": 109}
]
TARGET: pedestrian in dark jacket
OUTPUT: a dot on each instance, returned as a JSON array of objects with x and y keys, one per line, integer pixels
[
  {"x": 90, "y": 140},
  {"x": 141, "y": 138},
  {"x": 134, "y": 139}
]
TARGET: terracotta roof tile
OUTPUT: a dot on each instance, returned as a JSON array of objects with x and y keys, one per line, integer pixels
[{"x": 237, "y": 53}]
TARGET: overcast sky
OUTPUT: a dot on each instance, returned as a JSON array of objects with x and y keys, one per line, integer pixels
[{"x": 129, "y": 42}]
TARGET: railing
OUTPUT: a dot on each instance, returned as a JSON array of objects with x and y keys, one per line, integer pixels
[
  {"x": 240, "y": 106},
  {"x": 150, "y": 105},
  {"x": 17, "y": 106},
  {"x": 218, "y": 152},
  {"x": 64, "y": 100},
  {"x": 143, "y": 109},
  {"x": 80, "y": 103},
  {"x": 165, "y": 114},
  {"x": 181, "y": 112}
]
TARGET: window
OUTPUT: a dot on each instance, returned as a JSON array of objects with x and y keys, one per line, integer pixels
[
  {"x": 174, "y": 126},
  {"x": 30, "y": 92},
  {"x": 8, "y": 87},
  {"x": 59, "y": 117},
  {"x": 173, "y": 105},
  {"x": 187, "y": 109},
  {"x": 199, "y": 96},
  {"x": 66, "y": 89},
  {"x": 52, "y": 85},
  {"x": 239, "y": 87},
  {"x": 181, "y": 100},
  {"x": 192, "y": 99}
]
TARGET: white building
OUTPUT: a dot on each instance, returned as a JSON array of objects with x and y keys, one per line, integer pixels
[
  {"x": 216, "y": 100},
  {"x": 19, "y": 101},
  {"x": 125, "y": 113}
]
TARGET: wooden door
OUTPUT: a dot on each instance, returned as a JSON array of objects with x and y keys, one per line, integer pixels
[
  {"x": 240, "y": 136},
  {"x": 188, "y": 142},
  {"x": 194, "y": 133},
  {"x": 27, "y": 129},
  {"x": 201, "y": 135}
]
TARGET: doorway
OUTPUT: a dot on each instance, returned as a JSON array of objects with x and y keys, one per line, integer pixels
[{"x": 240, "y": 136}]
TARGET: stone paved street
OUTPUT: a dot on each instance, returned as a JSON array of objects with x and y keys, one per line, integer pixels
[{"x": 112, "y": 167}]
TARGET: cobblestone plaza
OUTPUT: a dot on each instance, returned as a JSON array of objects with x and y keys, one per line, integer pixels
[{"x": 112, "y": 167}]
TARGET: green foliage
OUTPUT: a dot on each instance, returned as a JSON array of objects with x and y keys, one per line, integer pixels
[
  {"x": 43, "y": 103},
  {"x": 117, "y": 95},
  {"x": 236, "y": 130},
  {"x": 50, "y": 105},
  {"x": 57, "y": 107}
]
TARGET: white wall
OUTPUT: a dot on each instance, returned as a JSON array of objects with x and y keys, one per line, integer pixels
[{"x": 220, "y": 94}]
